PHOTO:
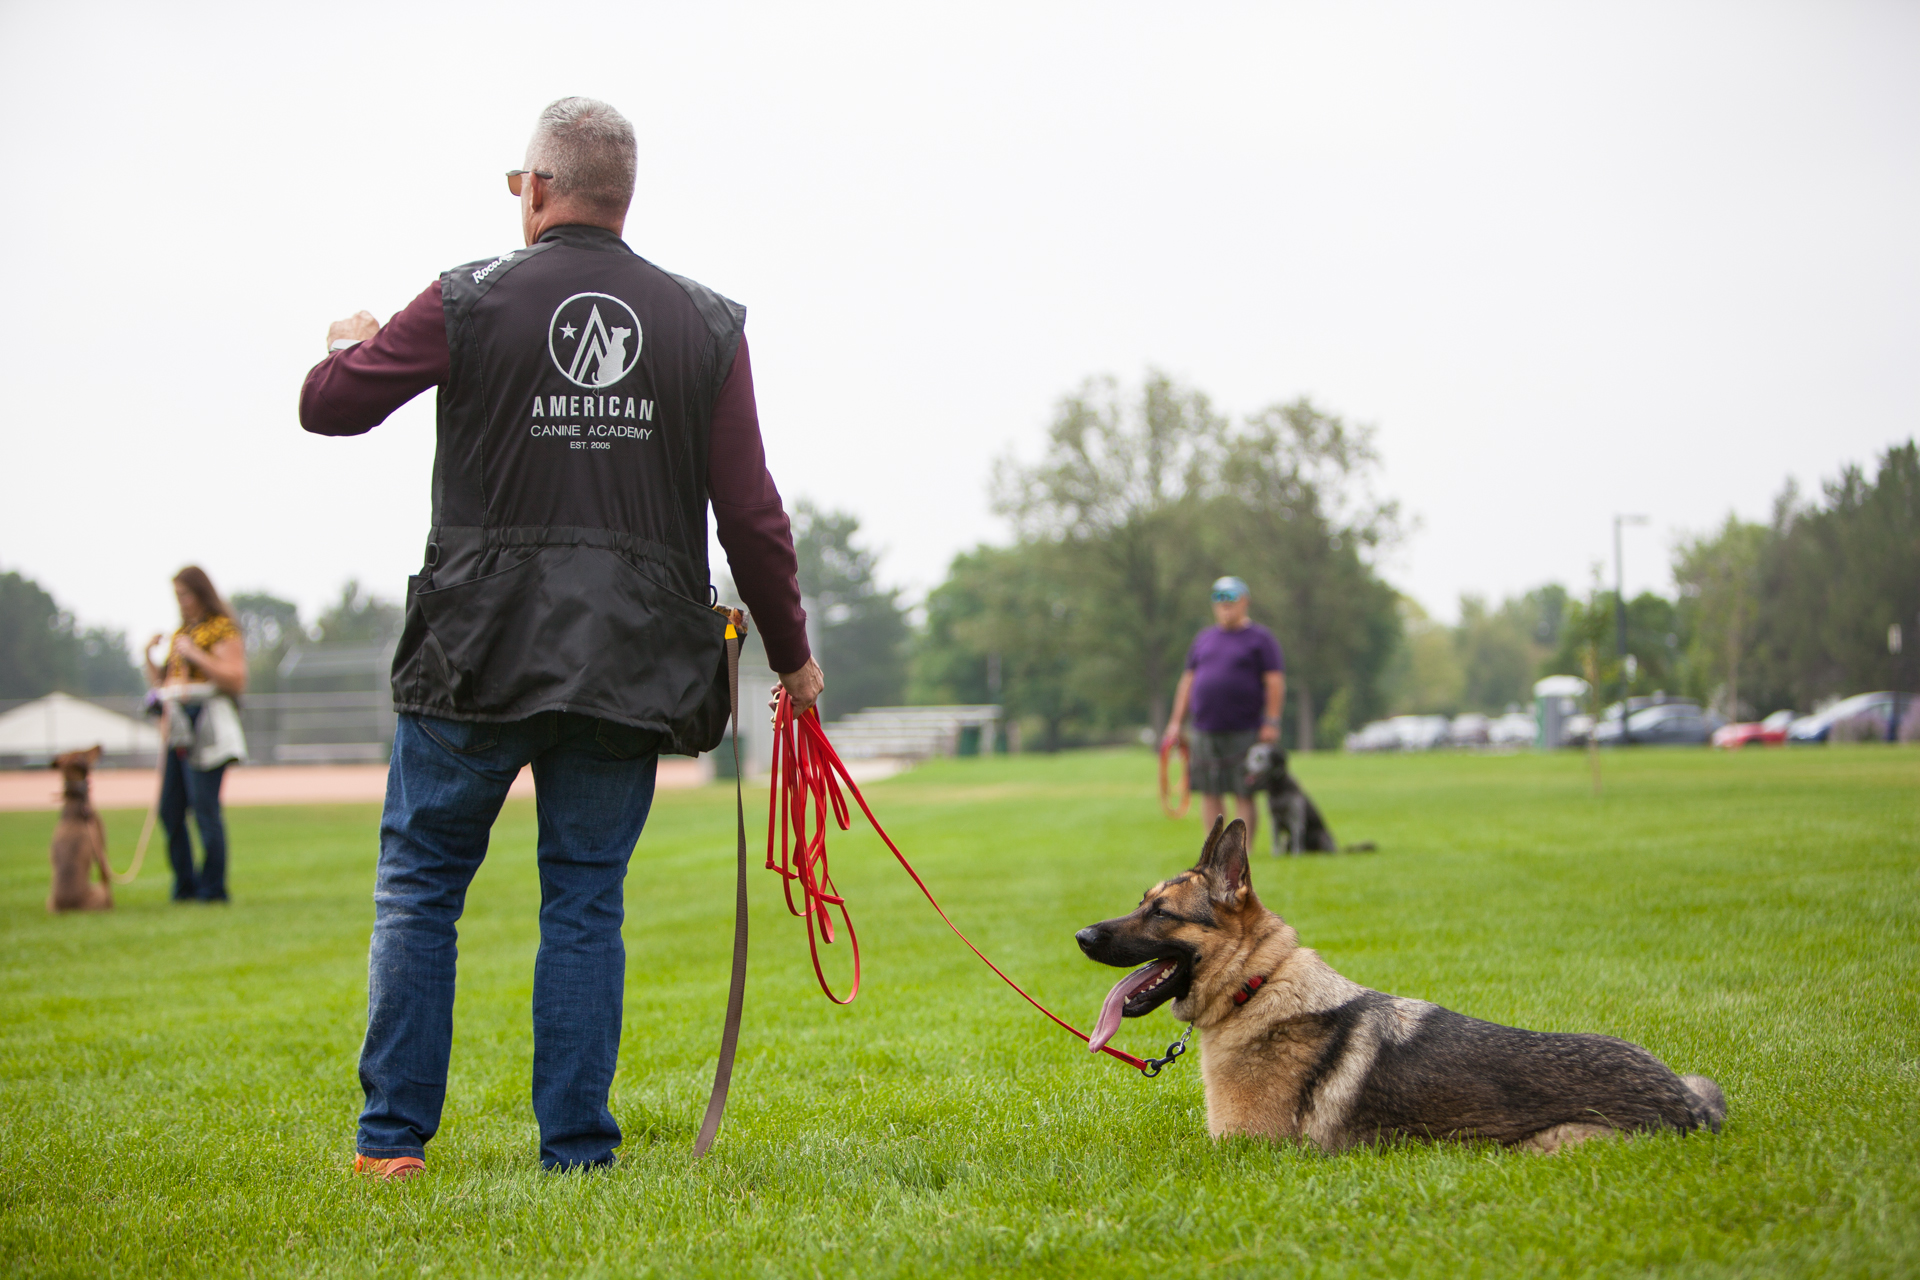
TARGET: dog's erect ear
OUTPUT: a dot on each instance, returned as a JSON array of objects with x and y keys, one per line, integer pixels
[
  {"x": 1224, "y": 860},
  {"x": 93, "y": 755},
  {"x": 1213, "y": 842}
]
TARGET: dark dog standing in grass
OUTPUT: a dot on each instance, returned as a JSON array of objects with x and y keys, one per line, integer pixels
[
  {"x": 1290, "y": 1049},
  {"x": 79, "y": 841},
  {"x": 1298, "y": 826}
]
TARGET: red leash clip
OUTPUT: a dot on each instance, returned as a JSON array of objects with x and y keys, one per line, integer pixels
[{"x": 807, "y": 775}]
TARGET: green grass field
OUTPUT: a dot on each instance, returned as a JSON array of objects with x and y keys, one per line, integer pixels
[{"x": 178, "y": 1087}]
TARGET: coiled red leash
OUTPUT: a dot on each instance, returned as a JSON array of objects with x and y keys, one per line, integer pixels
[
  {"x": 1186, "y": 776},
  {"x": 805, "y": 786},
  {"x": 808, "y": 773}
]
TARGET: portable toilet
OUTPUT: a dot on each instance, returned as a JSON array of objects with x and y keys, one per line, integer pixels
[{"x": 1556, "y": 699}]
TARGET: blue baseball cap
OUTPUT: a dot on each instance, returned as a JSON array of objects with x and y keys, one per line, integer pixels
[{"x": 1227, "y": 590}]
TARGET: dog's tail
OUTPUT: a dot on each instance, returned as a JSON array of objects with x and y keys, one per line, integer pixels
[
  {"x": 1705, "y": 1101},
  {"x": 1363, "y": 846}
]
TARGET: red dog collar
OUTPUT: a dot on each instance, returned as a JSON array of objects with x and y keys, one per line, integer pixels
[{"x": 1247, "y": 988}]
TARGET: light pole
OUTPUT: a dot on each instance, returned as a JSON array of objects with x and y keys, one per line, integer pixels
[{"x": 1620, "y": 622}]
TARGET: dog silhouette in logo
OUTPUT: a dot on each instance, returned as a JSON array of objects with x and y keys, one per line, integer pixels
[
  {"x": 613, "y": 358},
  {"x": 602, "y": 350}
]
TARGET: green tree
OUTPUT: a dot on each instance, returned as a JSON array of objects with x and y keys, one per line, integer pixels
[
  {"x": 1145, "y": 499},
  {"x": 1719, "y": 578},
  {"x": 43, "y": 650},
  {"x": 271, "y": 626},
  {"x": 1657, "y": 641},
  {"x": 1004, "y": 627},
  {"x": 1497, "y": 653},
  {"x": 32, "y": 656},
  {"x": 859, "y": 627},
  {"x": 358, "y": 617},
  {"x": 1425, "y": 676},
  {"x": 101, "y": 665},
  {"x": 1117, "y": 493},
  {"x": 1291, "y": 514},
  {"x": 1834, "y": 578}
]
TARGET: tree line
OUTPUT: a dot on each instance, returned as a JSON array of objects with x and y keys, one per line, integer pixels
[
  {"x": 1080, "y": 626},
  {"x": 1139, "y": 500},
  {"x": 1141, "y": 497},
  {"x": 43, "y": 649},
  {"x": 1820, "y": 601}
]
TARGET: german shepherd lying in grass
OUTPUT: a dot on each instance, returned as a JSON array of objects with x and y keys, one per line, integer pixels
[{"x": 1290, "y": 1049}]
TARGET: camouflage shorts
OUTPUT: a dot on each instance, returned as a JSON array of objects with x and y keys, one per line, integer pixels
[{"x": 1220, "y": 761}]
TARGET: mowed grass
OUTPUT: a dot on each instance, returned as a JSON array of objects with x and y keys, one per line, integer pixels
[{"x": 179, "y": 1091}]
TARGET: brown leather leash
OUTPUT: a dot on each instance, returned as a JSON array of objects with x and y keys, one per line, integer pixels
[{"x": 737, "y": 985}]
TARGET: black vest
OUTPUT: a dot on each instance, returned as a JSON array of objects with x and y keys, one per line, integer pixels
[{"x": 567, "y": 566}]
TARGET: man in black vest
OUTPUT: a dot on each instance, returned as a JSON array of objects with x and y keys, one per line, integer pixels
[{"x": 591, "y": 406}]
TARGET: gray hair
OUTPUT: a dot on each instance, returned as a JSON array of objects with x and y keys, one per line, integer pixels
[{"x": 588, "y": 148}]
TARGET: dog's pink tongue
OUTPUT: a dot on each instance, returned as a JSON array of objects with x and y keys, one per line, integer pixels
[{"x": 1113, "y": 1008}]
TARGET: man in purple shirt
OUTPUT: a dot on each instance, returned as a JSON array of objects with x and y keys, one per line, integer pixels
[
  {"x": 591, "y": 408},
  {"x": 1235, "y": 682}
]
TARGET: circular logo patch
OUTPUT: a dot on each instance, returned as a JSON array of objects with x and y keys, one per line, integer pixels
[{"x": 594, "y": 338}]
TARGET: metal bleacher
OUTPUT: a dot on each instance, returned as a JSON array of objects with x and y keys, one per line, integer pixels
[{"x": 913, "y": 733}]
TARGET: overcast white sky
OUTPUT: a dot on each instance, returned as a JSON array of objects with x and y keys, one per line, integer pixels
[{"x": 1570, "y": 259}]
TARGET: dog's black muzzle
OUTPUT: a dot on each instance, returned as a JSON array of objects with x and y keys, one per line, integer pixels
[
  {"x": 1117, "y": 943},
  {"x": 1107, "y": 943}
]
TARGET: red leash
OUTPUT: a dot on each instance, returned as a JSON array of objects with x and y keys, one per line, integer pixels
[{"x": 807, "y": 775}]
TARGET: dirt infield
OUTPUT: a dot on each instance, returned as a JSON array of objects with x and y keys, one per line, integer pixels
[{"x": 269, "y": 784}]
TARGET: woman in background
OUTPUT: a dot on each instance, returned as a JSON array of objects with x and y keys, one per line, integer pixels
[{"x": 204, "y": 670}]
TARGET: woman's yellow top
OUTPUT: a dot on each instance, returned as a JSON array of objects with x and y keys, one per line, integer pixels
[{"x": 206, "y": 633}]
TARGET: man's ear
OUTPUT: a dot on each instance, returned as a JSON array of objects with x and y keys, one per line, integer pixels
[{"x": 1224, "y": 860}]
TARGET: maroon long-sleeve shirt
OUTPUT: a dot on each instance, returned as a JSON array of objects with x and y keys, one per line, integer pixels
[{"x": 353, "y": 391}]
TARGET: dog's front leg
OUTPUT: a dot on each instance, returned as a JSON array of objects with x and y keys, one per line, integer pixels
[
  {"x": 1282, "y": 831},
  {"x": 1296, "y": 823},
  {"x": 102, "y": 899}
]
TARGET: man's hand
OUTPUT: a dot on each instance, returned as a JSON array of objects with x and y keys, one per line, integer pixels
[
  {"x": 1269, "y": 733},
  {"x": 358, "y": 327},
  {"x": 1171, "y": 736},
  {"x": 803, "y": 686}
]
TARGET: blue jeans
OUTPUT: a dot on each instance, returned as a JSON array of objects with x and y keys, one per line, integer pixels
[
  {"x": 445, "y": 784},
  {"x": 181, "y": 787}
]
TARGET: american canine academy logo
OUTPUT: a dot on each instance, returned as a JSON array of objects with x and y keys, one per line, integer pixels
[{"x": 594, "y": 338}]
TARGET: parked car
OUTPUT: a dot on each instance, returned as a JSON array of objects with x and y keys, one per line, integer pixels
[
  {"x": 1420, "y": 733},
  {"x": 1376, "y": 736},
  {"x": 1514, "y": 729},
  {"x": 1771, "y": 732},
  {"x": 1468, "y": 730},
  {"x": 1666, "y": 724},
  {"x": 1865, "y": 717},
  {"x": 1401, "y": 733}
]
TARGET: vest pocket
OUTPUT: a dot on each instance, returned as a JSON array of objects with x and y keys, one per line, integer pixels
[{"x": 579, "y": 629}]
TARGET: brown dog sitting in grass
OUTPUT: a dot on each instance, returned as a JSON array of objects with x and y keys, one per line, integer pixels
[
  {"x": 79, "y": 842},
  {"x": 1290, "y": 1049}
]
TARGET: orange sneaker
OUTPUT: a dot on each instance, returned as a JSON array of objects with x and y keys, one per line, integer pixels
[{"x": 393, "y": 1170}]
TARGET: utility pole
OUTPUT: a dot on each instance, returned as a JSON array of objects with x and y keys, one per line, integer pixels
[{"x": 1620, "y": 622}]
